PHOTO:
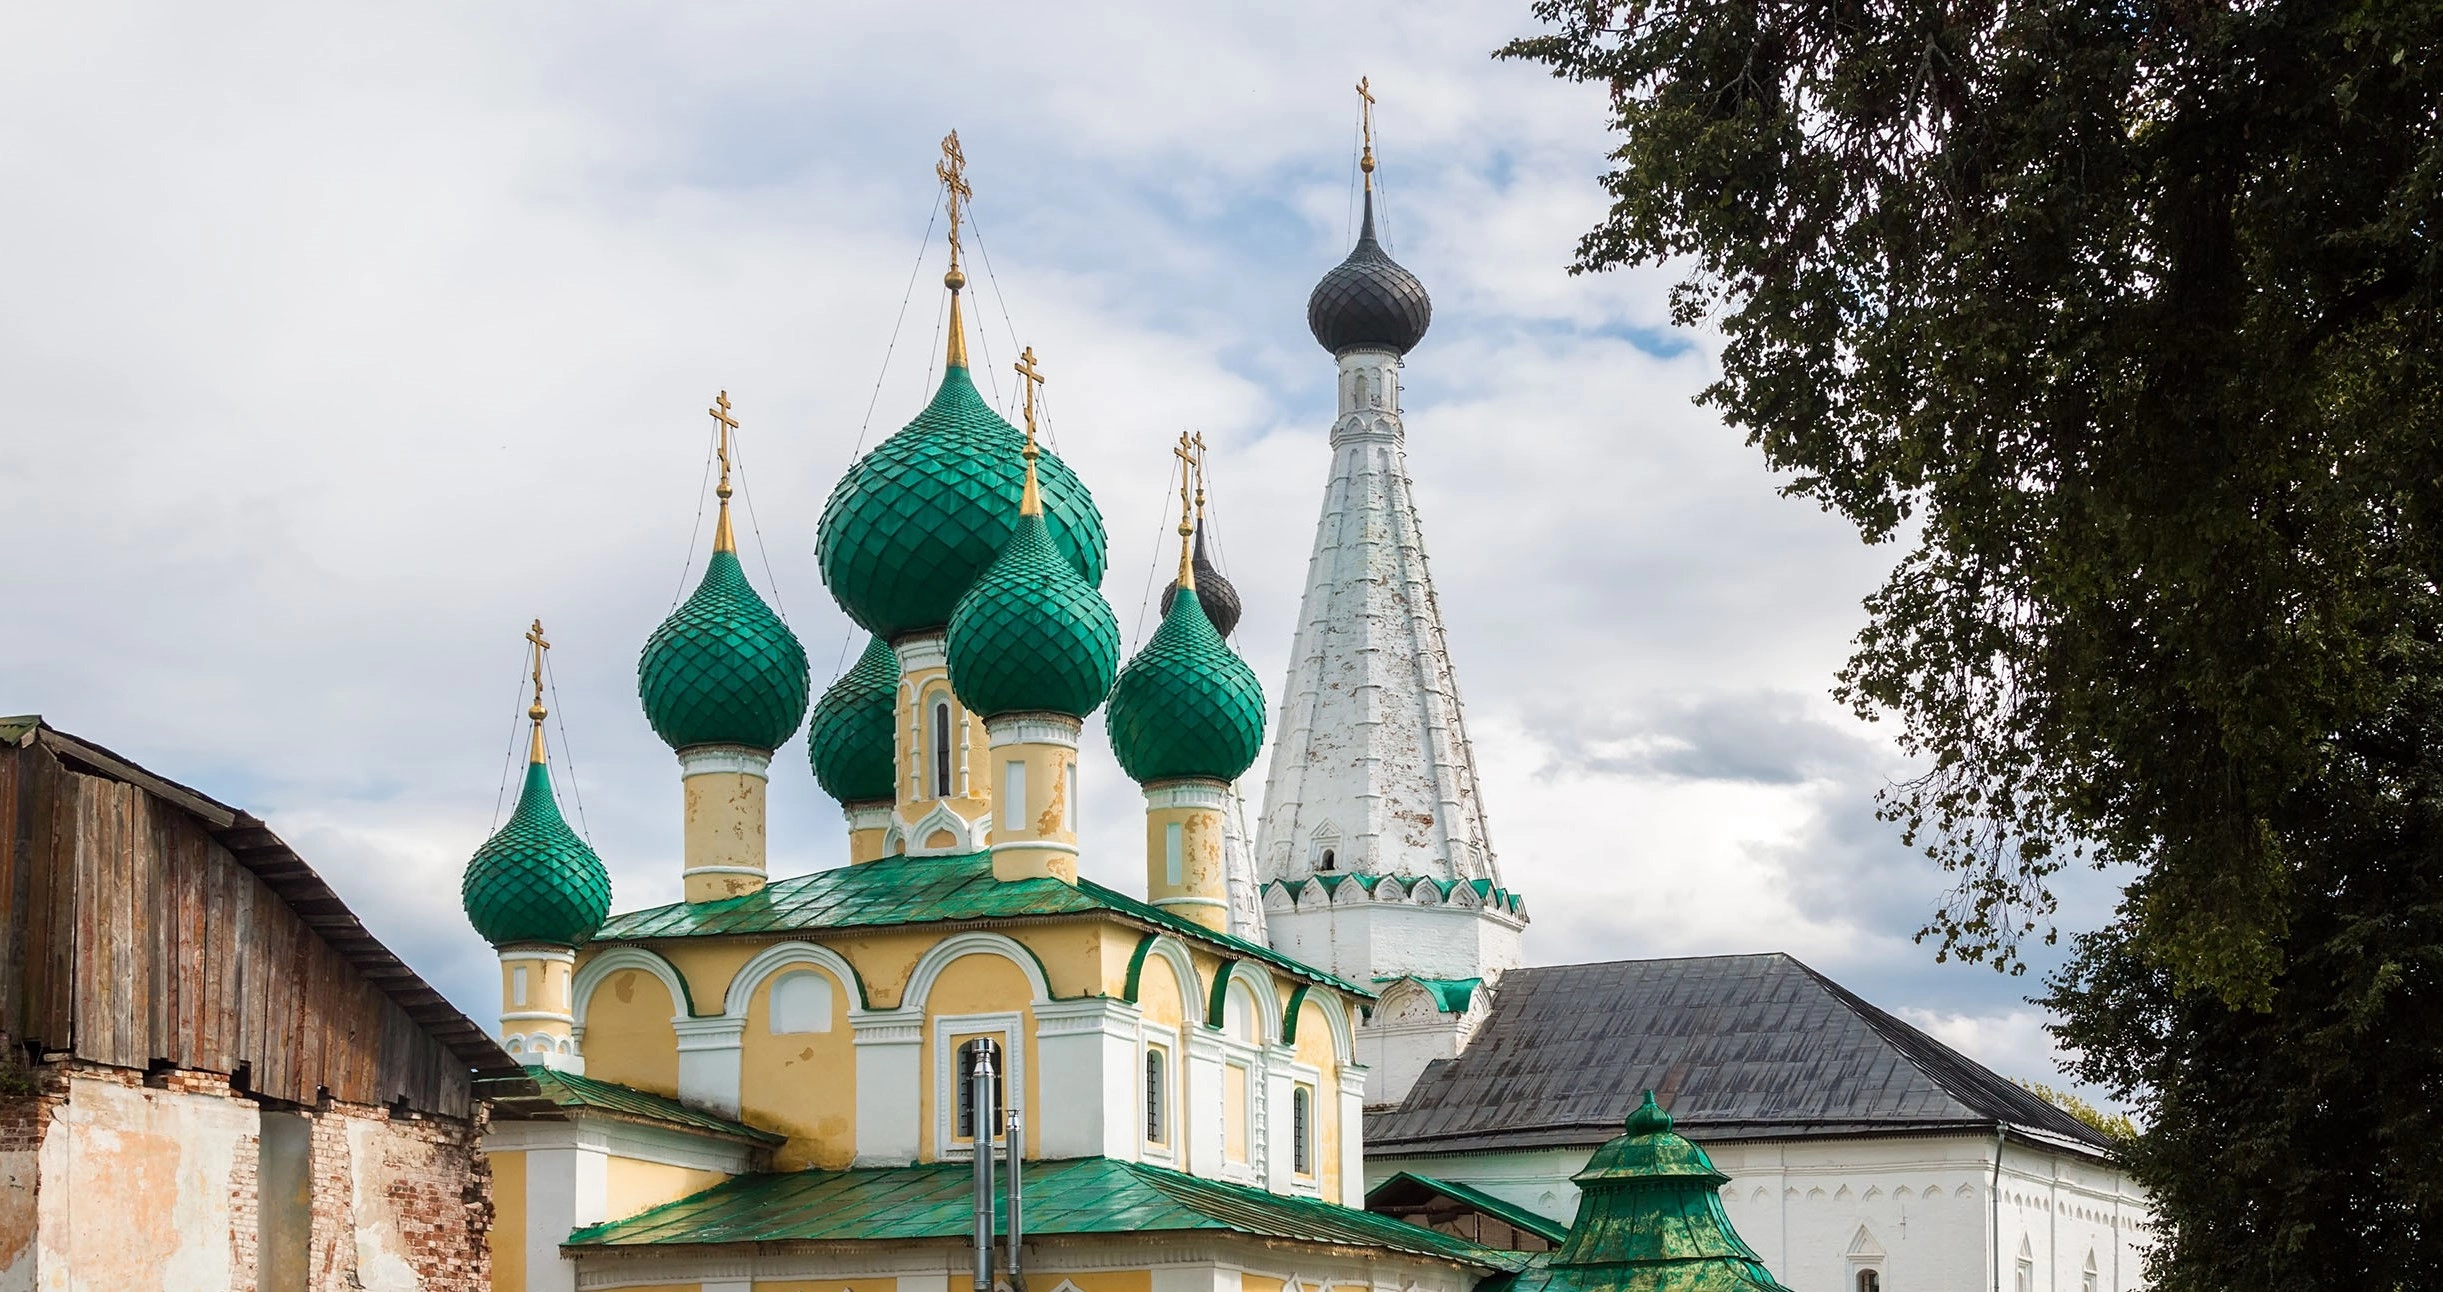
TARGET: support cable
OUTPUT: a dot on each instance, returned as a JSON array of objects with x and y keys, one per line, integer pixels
[
  {"x": 568, "y": 756},
  {"x": 509, "y": 756}
]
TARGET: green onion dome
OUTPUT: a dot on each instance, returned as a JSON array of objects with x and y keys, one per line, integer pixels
[
  {"x": 1186, "y": 706},
  {"x": 849, "y": 739},
  {"x": 1031, "y": 636},
  {"x": 536, "y": 881},
  {"x": 913, "y": 524},
  {"x": 723, "y": 669}
]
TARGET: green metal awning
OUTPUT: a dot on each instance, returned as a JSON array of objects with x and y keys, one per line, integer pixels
[
  {"x": 553, "y": 1090},
  {"x": 1076, "y": 1196},
  {"x": 1509, "y": 1213},
  {"x": 928, "y": 890}
]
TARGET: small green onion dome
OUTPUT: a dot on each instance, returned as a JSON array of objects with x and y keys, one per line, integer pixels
[
  {"x": 849, "y": 740},
  {"x": 723, "y": 669},
  {"x": 536, "y": 881},
  {"x": 1031, "y": 636},
  {"x": 1186, "y": 705},
  {"x": 913, "y": 524}
]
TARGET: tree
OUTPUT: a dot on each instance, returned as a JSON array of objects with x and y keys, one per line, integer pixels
[{"x": 2120, "y": 319}]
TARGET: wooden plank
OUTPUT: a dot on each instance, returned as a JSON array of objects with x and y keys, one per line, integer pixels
[{"x": 56, "y": 871}]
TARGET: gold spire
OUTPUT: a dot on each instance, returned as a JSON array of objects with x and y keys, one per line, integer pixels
[
  {"x": 1188, "y": 466},
  {"x": 723, "y": 539},
  {"x": 953, "y": 171},
  {"x": 1365, "y": 113},
  {"x": 535, "y": 711},
  {"x": 1030, "y": 502}
]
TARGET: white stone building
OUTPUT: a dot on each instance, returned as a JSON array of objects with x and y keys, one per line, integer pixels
[{"x": 1865, "y": 1155}]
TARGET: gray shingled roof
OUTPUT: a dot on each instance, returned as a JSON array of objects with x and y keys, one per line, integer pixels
[{"x": 1736, "y": 1047}]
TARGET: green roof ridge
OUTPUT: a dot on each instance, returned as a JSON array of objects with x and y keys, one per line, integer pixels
[
  {"x": 1187, "y": 705},
  {"x": 534, "y": 880},
  {"x": 910, "y": 527},
  {"x": 1509, "y": 1213},
  {"x": 1032, "y": 636},
  {"x": 723, "y": 669},
  {"x": 571, "y": 1090},
  {"x": 850, "y": 740}
]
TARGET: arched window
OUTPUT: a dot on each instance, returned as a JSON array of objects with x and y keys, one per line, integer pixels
[
  {"x": 1302, "y": 1130},
  {"x": 1870, "y": 1281},
  {"x": 1157, "y": 1097},
  {"x": 1326, "y": 864},
  {"x": 801, "y": 1002},
  {"x": 967, "y": 1090},
  {"x": 941, "y": 749}
]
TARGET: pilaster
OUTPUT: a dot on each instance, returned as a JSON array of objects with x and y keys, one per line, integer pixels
[
  {"x": 709, "y": 1066},
  {"x": 1086, "y": 1051},
  {"x": 890, "y": 1076}
]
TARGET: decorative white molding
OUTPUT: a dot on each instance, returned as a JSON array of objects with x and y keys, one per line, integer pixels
[
  {"x": 920, "y": 981},
  {"x": 867, "y": 816},
  {"x": 596, "y": 1133},
  {"x": 703, "y": 760},
  {"x": 1009, "y": 1028},
  {"x": 726, "y": 870},
  {"x": 785, "y": 955},
  {"x": 601, "y": 967},
  {"x": 889, "y": 1048},
  {"x": 1192, "y": 986},
  {"x": 1032, "y": 729},
  {"x": 965, "y": 836},
  {"x": 920, "y": 651},
  {"x": 711, "y": 1063},
  {"x": 1035, "y": 845},
  {"x": 536, "y": 951},
  {"x": 1192, "y": 792}
]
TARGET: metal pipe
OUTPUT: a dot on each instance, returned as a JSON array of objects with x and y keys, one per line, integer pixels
[
  {"x": 1017, "y": 1220},
  {"x": 979, "y": 1086}
]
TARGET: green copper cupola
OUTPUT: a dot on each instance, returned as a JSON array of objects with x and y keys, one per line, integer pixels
[
  {"x": 851, "y": 741},
  {"x": 1649, "y": 1217},
  {"x": 536, "y": 892},
  {"x": 724, "y": 683}
]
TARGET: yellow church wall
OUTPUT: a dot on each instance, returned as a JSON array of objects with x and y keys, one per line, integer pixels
[
  {"x": 1234, "y": 1112},
  {"x": 706, "y": 965},
  {"x": 1072, "y": 955},
  {"x": 1315, "y": 1050},
  {"x": 1258, "y": 1283},
  {"x": 628, "y": 1036},
  {"x": 884, "y": 961},
  {"x": 1159, "y": 994},
  {"x": 508, "y": 1221},
  {"x": 1095, "y": 1280},
  {"x": 828, "y": 1285},
  {"x": 981, "y": 983},
  {"x": 801, "y": 1084},
  {"x": 629, "y": 1186}
]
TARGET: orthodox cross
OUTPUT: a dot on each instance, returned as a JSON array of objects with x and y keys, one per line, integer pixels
[
  {"x": 721, "y": 414},
  {"x": 1365, "y": 114},
  {"x": 534, "y": 638},
  {"x": 1187, "y": 467},
  {"x": 1200, "y": 478},
  {"x": 953, "y": 170},
  {"x": 1034, "y": 382}
]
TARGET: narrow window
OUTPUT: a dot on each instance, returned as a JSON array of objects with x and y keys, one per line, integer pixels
[
  {"x": 1302, "y": 1130},
  {"x": 1174, "y": 860},
  {"x": 1327, "y": 860},
  {"x": 967, "y": 1091},
  {"x": 1012, "y": 807},
  {"x": 941, "y": 749},
  {"x": 2026, "y": 1280},
  {"x": 1157, "y": 1089},
  {"x": 1068, "y": 802},
  {"x": 1872, "y": 1281},
  {"x": 517, "y": 985}
]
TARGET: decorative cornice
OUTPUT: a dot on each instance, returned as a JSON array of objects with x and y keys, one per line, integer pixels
[
  {"x": 919, "y": 651},
  {"x": 1032, "y": 729},
  {"x": 1190, "y": 792},
  {"x": 701, "y": 760}
]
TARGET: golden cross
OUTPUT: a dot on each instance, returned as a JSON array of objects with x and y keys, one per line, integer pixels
[
  {"x": 1200, "y": 478},
  {"x": 721, "y": 413},
  {"x": 534, "y": 637},
  {"x": 1365, "y": 113},
  {"x": 1034, "y": 381},
  {"x": 953, "y": 171},
  {"x": 1187, "y": 468}
]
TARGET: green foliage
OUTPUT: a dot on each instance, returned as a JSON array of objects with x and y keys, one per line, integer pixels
[
  {"x": 2116, "y": 1126},
  {"x": 2121, "y": 320}
]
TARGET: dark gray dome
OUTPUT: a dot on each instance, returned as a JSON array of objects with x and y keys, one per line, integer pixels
[
  {"x": 1213, "y": 592},
  {"x": 1369, "y": 300}
]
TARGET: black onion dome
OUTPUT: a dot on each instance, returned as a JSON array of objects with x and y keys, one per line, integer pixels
[
  {"x": 1369, "y": 300},
  {"x": 1214, "y": 592}
]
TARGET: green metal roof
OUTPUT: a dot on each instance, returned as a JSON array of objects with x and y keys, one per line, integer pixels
[
  {"x": 1093, "y": 1195},
  {"x": 1031, "y": 635},
  {"x": 723, "y": 669},
  {"x": 535, "y": 880},
  {"x": 850, "y": 739},
  {"x": 1451, "y": 995},
  {"x": 1509, "y": 1213},
  {"x": 568, "y": 1090},
  {"x": 908, "y": 529},
  {"x": 927, "y": 890},
  {"x": 1186, "y": 705}
]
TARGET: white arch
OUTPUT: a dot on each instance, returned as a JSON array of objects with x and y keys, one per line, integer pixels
[
  {"x": 920, "y": 983},
  {"x": 612, "y": 961},
  {"x": 1267, "y": 1000},
  {"x": 1336, "y": 1019},
  {"x": 1183, "y": 969},
  {"x": 784, "y": 955}
]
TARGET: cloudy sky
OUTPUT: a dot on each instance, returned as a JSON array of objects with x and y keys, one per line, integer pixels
[{"x": 337, "y": 346}]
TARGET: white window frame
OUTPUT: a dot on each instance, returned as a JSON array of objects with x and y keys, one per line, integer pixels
[{"x": 1009, "y": 1030}]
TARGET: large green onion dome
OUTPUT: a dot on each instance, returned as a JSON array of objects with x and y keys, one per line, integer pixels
[
  {"x": 849, "y": 740},
  {"x": 1031, "y": 636},
  {"x": 536, "y": 881},
  {"x": 723, "y": 669},
  {"x": 913, "y": 524},
  {"x": 1186, "y": 706}
]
